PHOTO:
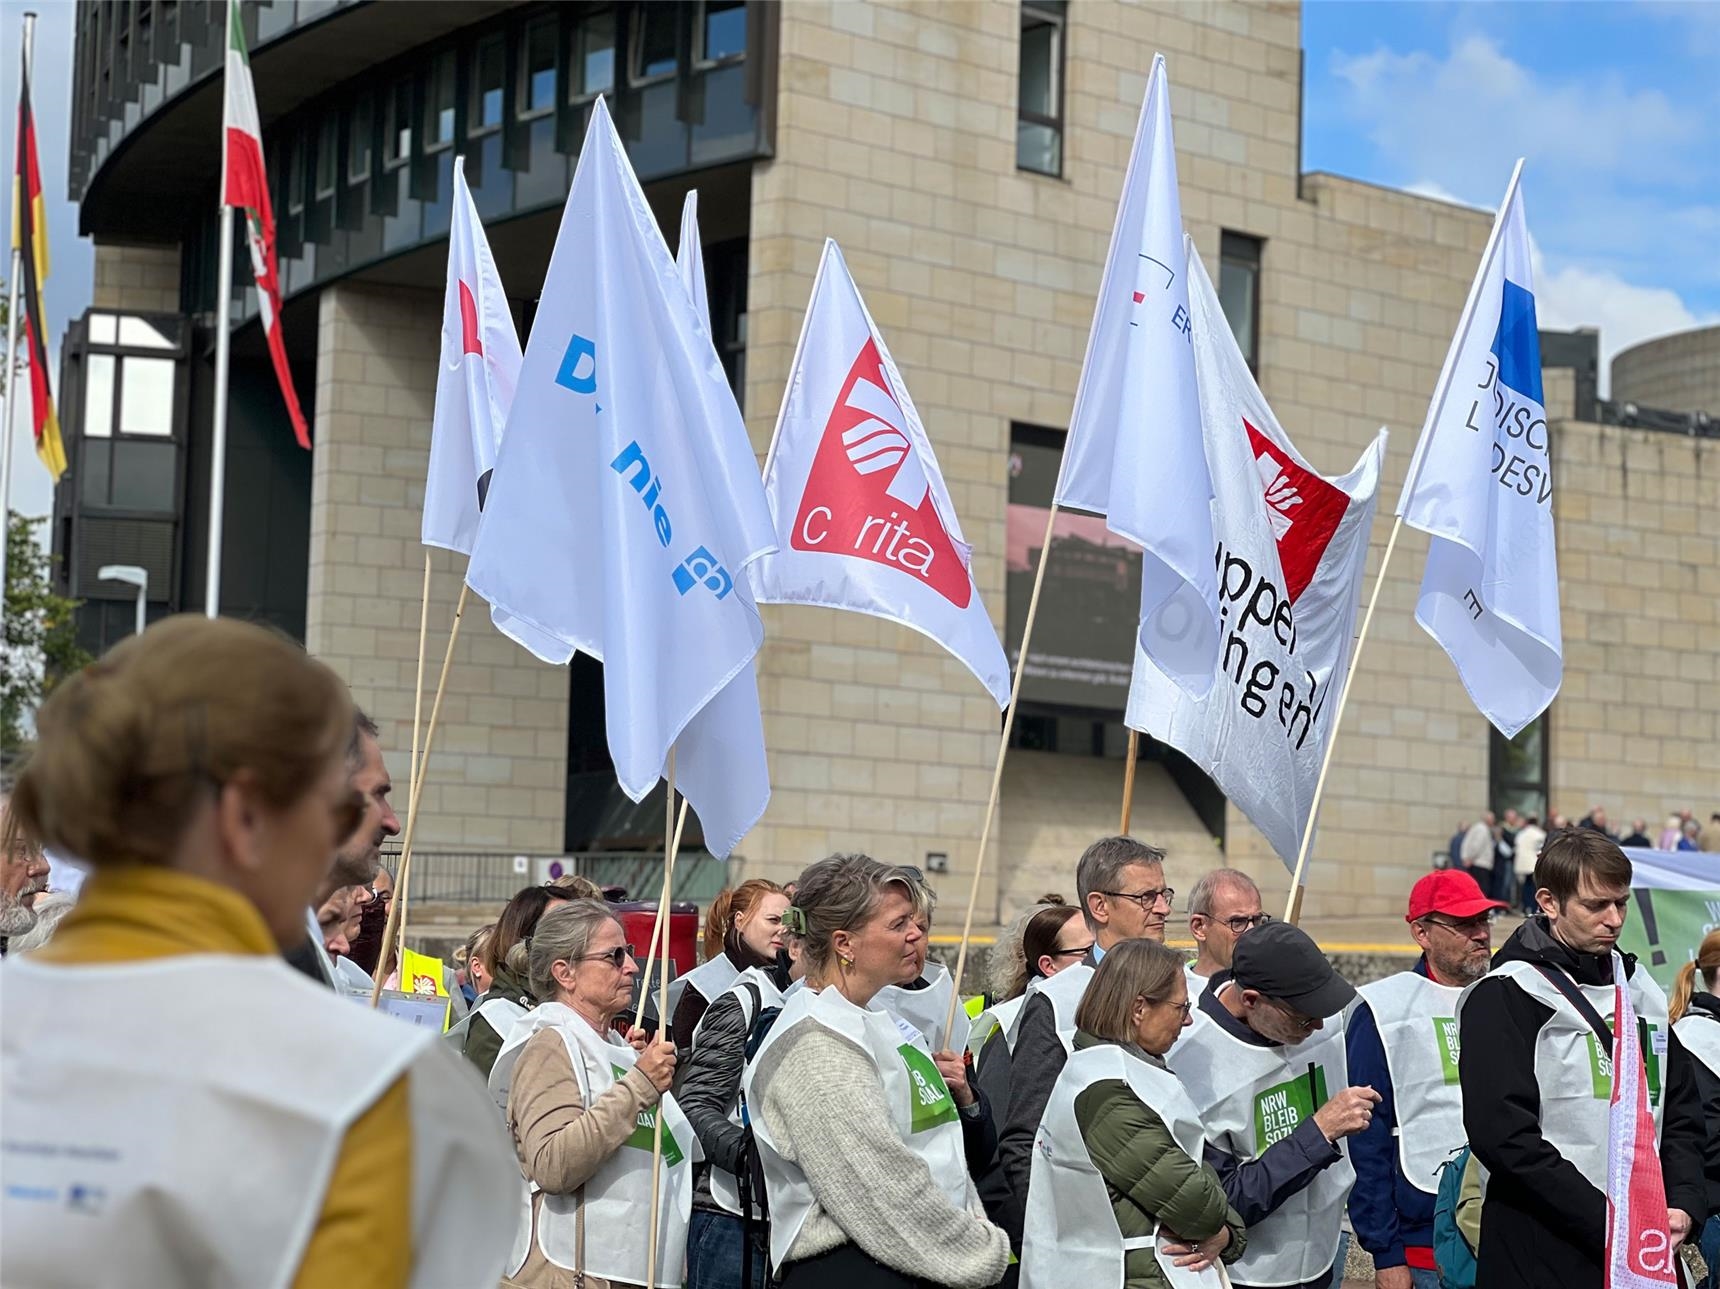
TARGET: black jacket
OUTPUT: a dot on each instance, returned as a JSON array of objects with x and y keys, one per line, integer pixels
[
  {"x": 1543, "y": 1224},
  {"x": 1682, "y": 1069}
]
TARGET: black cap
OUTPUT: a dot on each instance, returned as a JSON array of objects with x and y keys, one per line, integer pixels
[{"x": 1279, "y": 960}]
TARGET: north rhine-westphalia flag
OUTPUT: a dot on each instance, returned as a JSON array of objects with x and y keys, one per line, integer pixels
[
  {"x": 626, "y": 504},
  {"x": 245, "y": 184},
  {"x": 1288, "y": 553},
  {"x": 1134, "y": 452},
  {"x": 475, "y": 384},
  {"x": 30, "y": 240},
  {"x": 863, "y": 519},
  {"x": 1481, "y": 485}
]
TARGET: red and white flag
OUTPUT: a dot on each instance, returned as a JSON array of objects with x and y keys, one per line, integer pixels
[
  {"x": 1640, "y": 1251},
  {"x": 863, "y": 519},
  {"x": 475, "y": 383},
  {"x": 245, "y": 184},
  {"x": 1289, "y": 549}
]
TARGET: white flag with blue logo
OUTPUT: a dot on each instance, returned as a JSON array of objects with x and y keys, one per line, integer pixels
[
  {"x": 626, "y": 504},
  {"x": 1481, "y": 486},
  {"x": 1135, "y": 452}
]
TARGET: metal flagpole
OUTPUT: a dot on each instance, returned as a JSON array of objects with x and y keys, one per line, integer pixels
[
  {"x": 12, "y": 352},
  {"x": 223, "y": 310}
]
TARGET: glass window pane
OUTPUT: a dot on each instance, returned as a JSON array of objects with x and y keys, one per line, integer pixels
[
  {"x": 328, "y": 154},
  {"x": 295, "y": 161},
  {"x": 146, "y": 397},
  {"x": 1038, "y": 148},
  {"x": 93, "y": 465},
  {"x": 439, "y": 105},
  {"x": 139, "y": 333},
  {"x": 725, "y": 29},
  {"x": 102, "y": 328},
  {"x": 98, "y": 396},
  {"x": 1238, "y": 283},
  {"x": 358, "y": 141},
  {"x": 143, "y": 475},
  {"x": 654, "y": 39},
  {"x": 399, "y": 131},
  {"x": 1038, "y": 93},
  {"x": 594, "y": 61},
  {"x": 538, "y": 83},
  {"x": 487, "y": 78}
]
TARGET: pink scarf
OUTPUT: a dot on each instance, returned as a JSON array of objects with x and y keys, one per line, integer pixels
[{"x": 1640, "y": 1252}]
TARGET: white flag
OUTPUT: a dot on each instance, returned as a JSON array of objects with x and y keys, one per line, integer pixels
[
  {"x": 1288, "y": 555},
  {"x": 626, "y": 505},
  {"x": 1481, "y": 485},
  {"x": 863, "y": 519},
  {"x": 474, "y": 384},
  {"x": 1134, "y": 451},
  {"x": 690, "y": 258}
]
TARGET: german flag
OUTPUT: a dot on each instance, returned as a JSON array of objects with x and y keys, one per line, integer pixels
[{"x": 30, "y": 240}]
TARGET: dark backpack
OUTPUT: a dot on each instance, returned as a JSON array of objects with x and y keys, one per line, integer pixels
[{"x": 1451, "y": 1251}]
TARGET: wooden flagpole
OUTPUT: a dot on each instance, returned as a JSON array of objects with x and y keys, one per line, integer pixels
[
  {"x": 1129, "y": 781},
  {"x": 997, "y": 772},
  {"x": 418, "y": 689},
  {"x": 659, "y": 927},
  {"x": 671, "y": 842},
  {"x": 397, "y": 910}
]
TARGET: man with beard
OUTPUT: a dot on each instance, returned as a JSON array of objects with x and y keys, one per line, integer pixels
[
  {"x": 1402, "y": 1042},
  {"x": 23, "y": 875}
]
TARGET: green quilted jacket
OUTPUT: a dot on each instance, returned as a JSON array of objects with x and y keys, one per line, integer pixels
[{"x": 1149, "y": 1177}]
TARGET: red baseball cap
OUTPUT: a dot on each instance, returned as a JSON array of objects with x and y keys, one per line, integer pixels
[{"x": 1450, "y": 891}]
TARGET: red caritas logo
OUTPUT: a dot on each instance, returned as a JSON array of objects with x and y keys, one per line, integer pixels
[
  {"x": 867, "y": 495},
  {"x": 1304, "y": 509}
]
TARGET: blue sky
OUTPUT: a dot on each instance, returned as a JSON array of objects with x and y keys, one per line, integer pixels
[{"x": 1615, "y": 105}]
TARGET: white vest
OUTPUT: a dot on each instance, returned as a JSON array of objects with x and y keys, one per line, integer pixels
[
  {"x": 1573, "y": 1069},
  {"x": 150, "y": 1143},
  {"x": 921, "y": 1109},
  {"x": 1251, "y": 1096},
  {"x": 617, "y": 1197},
  {"x": 1417, "y": 1022},
  {"x": 1700, "y": 1034},
  {"x": 708, "y": 980},
  {"x": 352, "y": 980},
  {"x": 1064, "y": 992},
  {"x": 1005, "y": 1017},
  {"x": 1069, "y": 1232},
  {"x": 724, "y": 1189},
  {"x": 926, "y": 1008}
]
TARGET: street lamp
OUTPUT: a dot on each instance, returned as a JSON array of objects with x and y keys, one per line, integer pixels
[{"x": 135, "y": 576}]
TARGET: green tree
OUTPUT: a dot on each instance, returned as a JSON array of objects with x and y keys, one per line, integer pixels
[{"x": 41, "y": 644}]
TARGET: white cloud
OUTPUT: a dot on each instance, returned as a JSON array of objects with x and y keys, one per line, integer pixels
[{"x": 1626, "y": 314}]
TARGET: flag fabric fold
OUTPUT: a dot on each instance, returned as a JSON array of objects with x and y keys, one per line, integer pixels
[
  {"x": 245, "y": 185},
  {"x": 863, "y": 518},
  {"x": 1289, "y": 549},
  {"x": 475, "y": 382},
  {"x": 1639, "y": 1249},
  {"x": 1481, "y": 486},
  {"x": 30, "y": 240},
  {"x": 690, "y": 258},
  {"x": 1134, "y": 452},
  {"x": 626, "y": 504}
]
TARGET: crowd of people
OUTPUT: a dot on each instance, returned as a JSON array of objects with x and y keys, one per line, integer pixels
[{"x": 821, "y": 1109}]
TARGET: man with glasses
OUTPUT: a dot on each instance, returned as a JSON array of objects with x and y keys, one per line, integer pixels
[
  {"x": 1224, "y": 905},
  {"x": 1402, "y": 1042},
  {"x": 1272, "y": 1087},
  {"x": 1120, "y": 883}
]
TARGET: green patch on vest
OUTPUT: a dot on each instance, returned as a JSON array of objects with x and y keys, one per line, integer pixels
[
  {"x": 930, "y": 1095},
  {"x": 1281, "y": 1109},
  {"x": 644, "y": 1134},
  {"x": 1445, "y": 1039},
  {"x": 1600, "y": 1069}
]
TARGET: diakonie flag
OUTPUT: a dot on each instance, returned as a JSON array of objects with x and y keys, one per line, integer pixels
[
  {"x": 863, "y": 519},
  {"x": 1135, "y": 452},
  {"x": 1481, "y": 485},
  {"x": 626, "y": 504},
  {"x": 474, "y": 384},
  {"x": 1289, "y": 549}
]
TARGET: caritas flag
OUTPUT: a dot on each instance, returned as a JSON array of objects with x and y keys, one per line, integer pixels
[
  {"x": 1135, "y": 452},
  {"x": 1640, "y": 1252},
  {"x": 245, "y": 184},
  {"x": 626, "y": 504},
  {"x": 1288, "y": 553},
  {"x": 863, "y": 519},
  {"x": 474, "y": 384},
  {"x": 1481, "y": 485}
]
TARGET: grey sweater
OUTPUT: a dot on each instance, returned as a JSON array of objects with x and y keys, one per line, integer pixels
[{"x": 819, "y": 1096}]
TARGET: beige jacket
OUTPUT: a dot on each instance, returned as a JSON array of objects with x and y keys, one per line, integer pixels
[{"x": 560, "y": 1143}]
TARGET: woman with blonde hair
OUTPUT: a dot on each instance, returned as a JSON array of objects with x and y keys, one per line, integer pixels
[
  {"x": 211, "y": 1116},
  {"x": 1693, "y": 1074},
  {"x": 743, "y": 929}
]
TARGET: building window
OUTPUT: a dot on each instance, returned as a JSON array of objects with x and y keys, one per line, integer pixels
[
  {"x": 593, "y": 56},
  {"x": 654, "y": 41},
  {"x": 358, "y": 142},
  {"x": 537, "y": 85},
  {"x": 328, "y": 155},
  {"x": 398, "y": 123},
  {"x": 439, "y": 104},
  {"x": 295, "y": 150},
  {"x": 1517, "y": 769},
  {"x": 1239, "y": 292},
  {"x": 1039, "y": 105},
  {"x": 722, "y": 30},
  {"x": 489, "y": 73}
]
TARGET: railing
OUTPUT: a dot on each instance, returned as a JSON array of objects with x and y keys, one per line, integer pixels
[{"x": 477, "y": 877}]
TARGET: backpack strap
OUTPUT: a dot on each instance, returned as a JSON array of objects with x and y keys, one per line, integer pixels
[{"x": 1580, "y": 1001}]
